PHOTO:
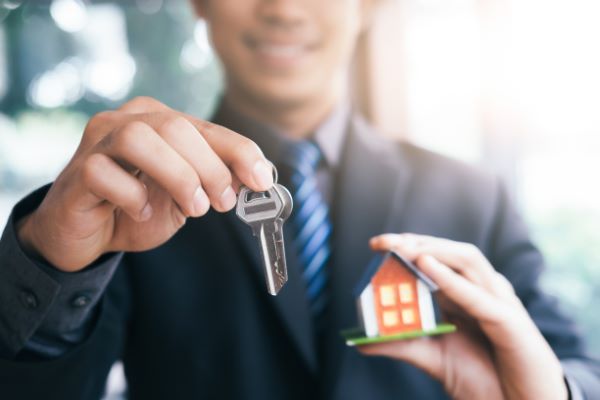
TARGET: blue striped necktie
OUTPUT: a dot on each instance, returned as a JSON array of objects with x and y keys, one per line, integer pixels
[{"x": 310, "y": 223}]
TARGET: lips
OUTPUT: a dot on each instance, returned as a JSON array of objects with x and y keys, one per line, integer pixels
[
  {"x": 276, "y": 50},
  {"x": 279, "y": 53}
]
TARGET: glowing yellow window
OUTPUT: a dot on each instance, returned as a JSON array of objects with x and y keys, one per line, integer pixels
[
  {"x": 390, "y": 318},
  {"x": 406, "y": 293},
  {"x": 386, "y": 296},
  {"x": 408, "y": 317}
]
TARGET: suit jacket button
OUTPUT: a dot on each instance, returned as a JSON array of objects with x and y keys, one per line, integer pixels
[
  {"x": 28, "y": 299},
  {"x": 80, "y": 301}
]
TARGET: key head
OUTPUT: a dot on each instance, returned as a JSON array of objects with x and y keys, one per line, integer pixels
[
  {"x": 259, "y": 207},
  {"x": 287, "y": 201}
]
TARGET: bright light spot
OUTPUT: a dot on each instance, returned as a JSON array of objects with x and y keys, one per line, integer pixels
[
  {"x": 192, "y": 58},
  {"x": 443, "y": 78},
  {"x": 562, "y": 177},
  {"x": 57, "y": 87},
  {"x": 109, "y": 68},
  {"x": 37, "y": 145},
  {"x": 46, "y": 91},
  {"x": 116, "y": 383},
  {"x": 69, "y": 15},
  {"x": 105, "y": 69},
  {"x": 552, "y": 74},
  {"x": 201, "y": 36},
  {"x": 196, "y": 54},
  {"x": 10, "y": 4},
  {"x": 111, "y": 79}
]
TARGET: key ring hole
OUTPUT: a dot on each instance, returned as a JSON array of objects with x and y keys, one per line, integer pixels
[
  {"x": 275, "y": 174},
  {"x": 251, "y": 196}
]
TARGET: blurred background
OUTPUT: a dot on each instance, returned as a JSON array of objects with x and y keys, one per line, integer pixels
[{"x": 510, "y": 85}]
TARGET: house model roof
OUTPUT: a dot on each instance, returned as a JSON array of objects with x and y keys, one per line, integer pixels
[{"x": 376, "y": 263}]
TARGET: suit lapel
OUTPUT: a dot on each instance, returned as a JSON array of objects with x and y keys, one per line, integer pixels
[
  {"x": 372, "y": 181},
  {"x": 290, "y": 304}
]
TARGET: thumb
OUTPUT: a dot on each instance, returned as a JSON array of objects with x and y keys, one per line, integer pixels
[{"x": 423, "y": 353}]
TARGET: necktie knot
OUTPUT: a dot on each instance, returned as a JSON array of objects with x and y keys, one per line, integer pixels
[{"x": 301, "y": 158}]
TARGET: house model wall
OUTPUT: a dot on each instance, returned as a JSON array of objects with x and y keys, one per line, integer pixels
[{"x": 395, "y": 297}]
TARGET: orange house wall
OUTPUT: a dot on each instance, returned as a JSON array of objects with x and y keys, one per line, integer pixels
[{"x": 392, "y": 273}]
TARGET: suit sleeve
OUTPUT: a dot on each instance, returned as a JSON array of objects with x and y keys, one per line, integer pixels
[
  {"x": 59, "y": 332},
  {"x": 511, "y": 251}
]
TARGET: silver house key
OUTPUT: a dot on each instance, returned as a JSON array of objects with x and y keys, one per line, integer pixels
[{"x": 266, "y": 212}]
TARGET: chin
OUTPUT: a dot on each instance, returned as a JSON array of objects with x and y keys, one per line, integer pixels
[{"x": 283, "y": 93}]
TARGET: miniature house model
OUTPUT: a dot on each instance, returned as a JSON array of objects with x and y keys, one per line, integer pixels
[{"x": 394, "y": 297}]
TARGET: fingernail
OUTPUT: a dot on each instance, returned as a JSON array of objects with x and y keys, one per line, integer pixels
[
  {"x": 201, "y": 202},
  {"x": 146, "y": 212},
  {"x": 263, "y": 174},
  {"x": 228, "y": 198}
]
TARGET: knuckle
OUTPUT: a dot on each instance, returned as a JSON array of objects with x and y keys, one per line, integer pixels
[
  {"x": 173, "y": 126},
  {"x": 96, "y": 126},
  {"x": 472, "y": 251},
  {"x": 100, "y": 119},
  {"x": 207, "y": 128},
  {"x": 129, "y": 137},
  {"x": 185, "y": 178},
  {"x": 92, "y": 168},
  {"x": 137, "y": 198},
  {"x": 175, "y": 121},
  {"x": 142, "y": 102},
  {"x": 444, "y": 285},
  {"x": 246, "y": 147},
  {"x": 405, "y": 236},
  {"x": 217, "y": 176},
  {"x": 504, "y": 282},
  {"x": 409, "y": 240}
]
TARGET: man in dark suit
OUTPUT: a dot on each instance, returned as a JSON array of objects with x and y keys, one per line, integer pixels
[{"x": 133, "y": 252}]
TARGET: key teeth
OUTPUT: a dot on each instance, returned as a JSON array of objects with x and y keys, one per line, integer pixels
[{"x": 281, "y": 281}]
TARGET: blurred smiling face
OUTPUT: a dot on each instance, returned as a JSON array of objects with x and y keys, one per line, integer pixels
[{"x": 283, "y": 52}]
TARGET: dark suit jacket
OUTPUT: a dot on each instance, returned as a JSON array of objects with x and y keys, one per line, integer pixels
[{"x": 192, "y": 318}]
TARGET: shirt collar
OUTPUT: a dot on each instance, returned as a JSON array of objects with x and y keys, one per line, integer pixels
[{"x": 329, "y": 135}]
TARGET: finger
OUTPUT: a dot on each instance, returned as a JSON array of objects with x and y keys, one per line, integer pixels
[
  {"x": 215, "y": 177},
  {"x": 423, "y": 353},
  {"x": 97, "y": 127},
  {"x": 459, "y": 253},
  {"x": 144, "y": 105},
  {"x": 464, "y": 258},
  {"x": 452, "y": 252},
  {"x": 236, "y": 183},
  {"x": 474, "y": 300},
  {"x": 387, "y": 241},
  {"x": 239, "y": 153},
  {"x": 107, "y": 181},
  {"x": 402, "y": 243},
  {"x": 140, "y": 146}
]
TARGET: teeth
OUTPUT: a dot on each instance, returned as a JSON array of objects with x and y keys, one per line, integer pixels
[{"x": 280, "y": 51}]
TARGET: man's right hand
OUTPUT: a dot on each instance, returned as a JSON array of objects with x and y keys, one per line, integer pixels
[{"x": 138, "y": 173}]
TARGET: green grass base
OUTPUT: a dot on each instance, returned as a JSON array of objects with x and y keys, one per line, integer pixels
[{"x": 356, "y": 336}]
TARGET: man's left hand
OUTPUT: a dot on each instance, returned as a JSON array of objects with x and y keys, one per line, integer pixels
[{"x": 497, "y": 352}]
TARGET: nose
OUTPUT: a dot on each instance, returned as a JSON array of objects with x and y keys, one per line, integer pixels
[{"x": 282, "y": 14}]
